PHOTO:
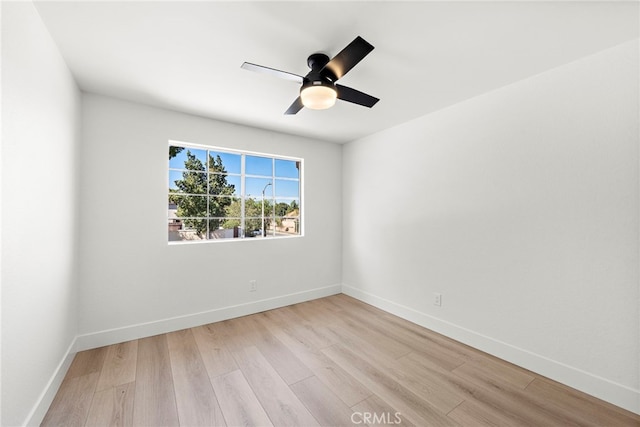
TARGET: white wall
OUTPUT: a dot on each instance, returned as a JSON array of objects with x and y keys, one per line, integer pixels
[
  {"x": 521, "y": 207},
  {"x": 521, "y": 204},
  {"x": 40, "y": 136},
  {"x": 134, "y": 283}
]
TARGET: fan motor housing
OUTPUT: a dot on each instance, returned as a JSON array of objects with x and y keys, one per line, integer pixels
[
  {"x": 317, "y": 60},
  {"x": 318, "y": 72}
]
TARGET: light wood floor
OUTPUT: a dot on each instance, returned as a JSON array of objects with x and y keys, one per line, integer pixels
[{"x": 332, "y": 362}]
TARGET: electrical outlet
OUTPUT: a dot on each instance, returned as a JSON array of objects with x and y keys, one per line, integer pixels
[
  {"x": 437, "y": 299},
  {"x": 253, "y": 285}
]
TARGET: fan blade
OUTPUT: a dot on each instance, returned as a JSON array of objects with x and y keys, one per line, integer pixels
[
  {"x": 351, "y": 95},
  {"x": 295, "y": 107},
  {"x": 347, "y": 58},
  {"x": 272, "y": 71}
]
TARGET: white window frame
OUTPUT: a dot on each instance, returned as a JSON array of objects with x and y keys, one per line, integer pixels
[{"x": 242, "y": 195}]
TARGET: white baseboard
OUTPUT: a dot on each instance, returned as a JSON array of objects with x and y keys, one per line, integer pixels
[
  {"x": 143, "y": 330},
  {"x": 609, "y": 391},
  {"x": 41, "y": 407},
  {"x": 601, "y": 388}
]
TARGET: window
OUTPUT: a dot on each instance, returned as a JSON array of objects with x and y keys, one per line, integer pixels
[{"x": 217, "y": 193}]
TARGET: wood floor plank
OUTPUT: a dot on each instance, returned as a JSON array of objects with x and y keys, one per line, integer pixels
[
  {"x": 290, "y": 368},
  {"x": 320, "y": 360},
  {"x": 215, "y": 355},
  {"x": 71, "y": 405},
  {"x": 587, "y": 409},
  {"x": 471, "y": 413},
  {"x": 497, "y": 400},
  {"x": 424, "y": 370},
  {"x": 409, "y": 404},
  {"x": 239, "y": 404},
  {"x": 280, "y": 403},
  {"x": 155, "y": 402},
  {"x": 314, "y": 333},
  {"x": 421, "y": 333},
  {"x": 441, "y": 398},
  {"x": 328, "y": 305},
  {"x": 87, "y": 362},
  {"x": 119, "y": 365},
  {"x": 386, "y": 414},
  {"x": 237, "y": 334},
  {"x": 112, "y": 407},
  {"x": 320, "y": 313},
  {"x": 367, "y": 342},
  {"x": 325, "y": 406},
  {"x": 491, "y": 373},
  {"x": 407, "y": 336},
  {"x": 382, "y": 341},
  {"x": 347, "y": 388},
  {"x": 195, "y": 400}
]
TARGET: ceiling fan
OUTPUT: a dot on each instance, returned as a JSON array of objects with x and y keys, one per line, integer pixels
[{"x": 319, "y": 89}]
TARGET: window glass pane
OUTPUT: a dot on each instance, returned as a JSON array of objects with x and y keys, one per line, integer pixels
[
  {"x": 182, "y": 206},
  {"x": 287, "y": 207},
  {"x": 231, "y": 208},
  {"x": 173, "y": 214},
  {"x": 287, "y": 226},
  {"x": 287, "y": 168},
  {"x": 224, "y": 206},
  {"x": 177, "y": 156},
  {"x": 187, "y": 229},
  {"x": 173, "y": 177},
  {"x": 286, "y": 188},
  {"x": 224, "y": 185},
  {"x": 253, "y": 226},
  {"x": 231, "y": 222},
  {"x": 221, "y": 229},
  {"x": 254, "y": 218},
  {"x": 188, "y": 182},
  {"x": 188, "y": 158},
  {"x": 255, "y": 165},
  {"x": 175, "y": 225},
  {"x": 253, "y": 207},
  {"x": 224, "y": 162},
  {"x": 255, "y": 186},
  {"x": 270, "y": 228}
]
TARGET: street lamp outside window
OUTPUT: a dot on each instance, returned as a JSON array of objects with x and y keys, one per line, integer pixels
[{"x": 264, "y": 232}]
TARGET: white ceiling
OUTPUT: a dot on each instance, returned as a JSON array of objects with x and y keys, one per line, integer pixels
[{"x": 186, "y": 56}]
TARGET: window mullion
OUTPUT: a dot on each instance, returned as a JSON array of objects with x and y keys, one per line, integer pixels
[
  {"x": 206, "y": 168},
  {"x": 242, "y": 195},
  {"x": 273, "y": 196}
]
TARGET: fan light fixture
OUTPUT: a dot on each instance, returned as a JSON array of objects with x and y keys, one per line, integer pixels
[
  {"x": 318, "y": 96},
  {"x": 319, "y": 89}
]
